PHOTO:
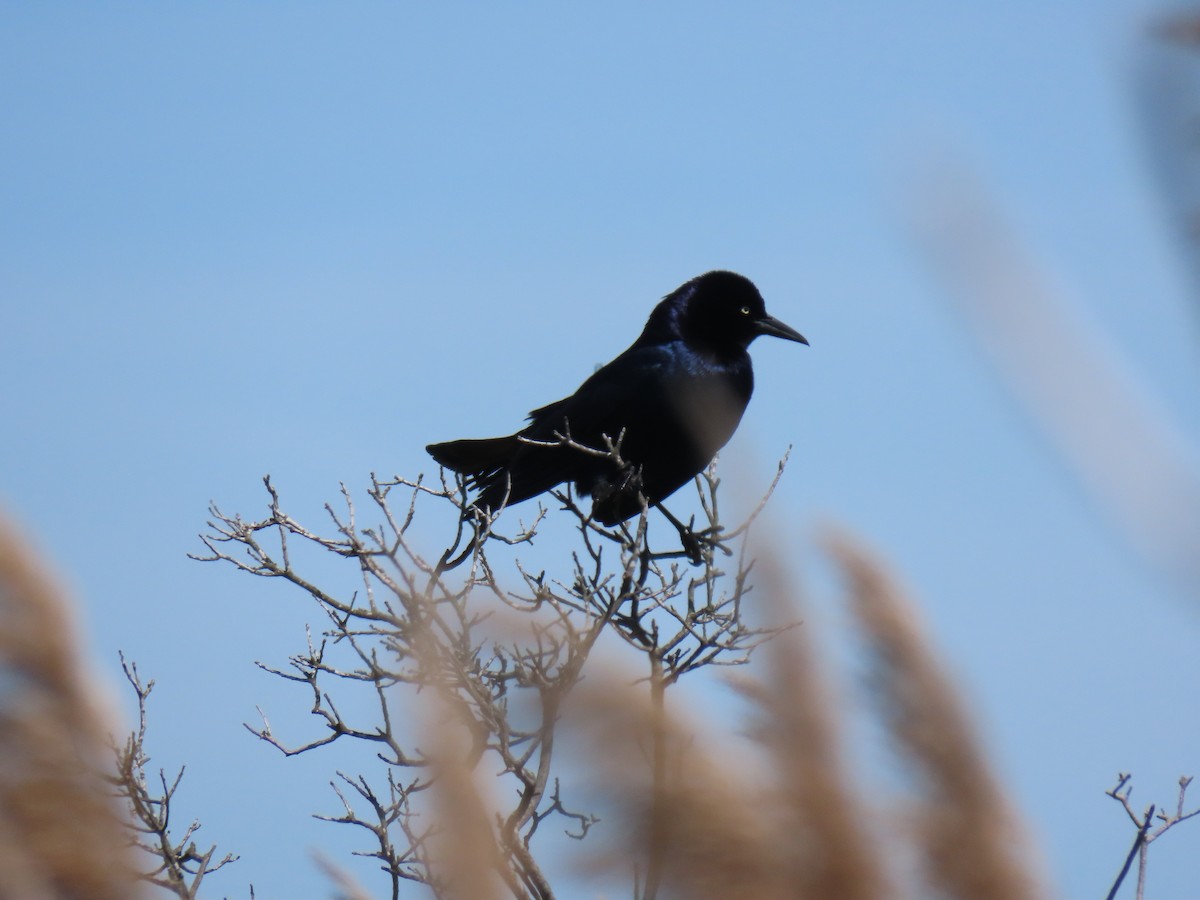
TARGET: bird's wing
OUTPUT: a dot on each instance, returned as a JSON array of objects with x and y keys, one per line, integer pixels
[{"x": 635, "y": 384}]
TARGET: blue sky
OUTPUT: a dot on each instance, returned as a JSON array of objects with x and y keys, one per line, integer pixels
[{"x": 307, "y": 239}]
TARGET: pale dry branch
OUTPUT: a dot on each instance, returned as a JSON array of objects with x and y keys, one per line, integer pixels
[
  {"x": 1146, "y": 832},
  {"x": 177, "y": 864}
]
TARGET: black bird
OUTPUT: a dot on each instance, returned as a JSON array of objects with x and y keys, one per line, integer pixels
[{"x": 670, "y": 402}]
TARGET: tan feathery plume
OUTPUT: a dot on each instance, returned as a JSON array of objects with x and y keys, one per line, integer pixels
[
  {"x": 970, "y": 842},
  {"x": 59, "y": 828}
]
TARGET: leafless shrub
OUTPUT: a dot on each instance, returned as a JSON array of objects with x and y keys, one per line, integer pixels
[{"x": 498, "y": 682}]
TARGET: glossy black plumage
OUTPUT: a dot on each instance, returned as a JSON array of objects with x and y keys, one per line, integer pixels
[{"x": 677, "y": 393}]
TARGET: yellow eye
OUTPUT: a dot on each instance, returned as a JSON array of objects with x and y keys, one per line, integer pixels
[{"x": 745, "y": 310}]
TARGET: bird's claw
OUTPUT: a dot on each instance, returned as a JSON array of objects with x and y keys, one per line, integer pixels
[{"x": 699, "y": 545}]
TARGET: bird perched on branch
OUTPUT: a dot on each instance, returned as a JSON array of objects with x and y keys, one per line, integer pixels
[{"x": 645, "y": 424}]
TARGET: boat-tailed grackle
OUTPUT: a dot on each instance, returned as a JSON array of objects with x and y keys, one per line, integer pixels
[{"x": 645, "y": 424}]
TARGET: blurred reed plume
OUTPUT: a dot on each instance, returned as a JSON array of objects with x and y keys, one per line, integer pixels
[
  {"x": 791, "y": 819},
  {"x": 61, "y": 835},
  {"x": 968, "y": 839},
  {"x": 1069, "y": 376}
]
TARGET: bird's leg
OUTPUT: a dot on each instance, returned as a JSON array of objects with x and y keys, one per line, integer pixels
[
  {"x": 480, "y": 520},
  {"x": 695, "y": 544},
  {"x": 445, "y": 564}
]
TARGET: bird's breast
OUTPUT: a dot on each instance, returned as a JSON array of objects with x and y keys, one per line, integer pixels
[{"x": 709, "y": 408}]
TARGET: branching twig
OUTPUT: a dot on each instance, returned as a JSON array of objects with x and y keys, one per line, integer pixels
[
  {"x": 1146, "y": 833},
  {"x": 178, "y": 865}
]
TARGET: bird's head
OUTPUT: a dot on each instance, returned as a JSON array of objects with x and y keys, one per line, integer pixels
[{"x": 723, "y": 312}]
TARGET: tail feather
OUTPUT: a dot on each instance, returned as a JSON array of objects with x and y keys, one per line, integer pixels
[
  {"x": 475, "y": 457},
  {"x": 505, "y": 470}
]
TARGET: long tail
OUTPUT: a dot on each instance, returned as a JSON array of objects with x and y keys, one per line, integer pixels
[
  {"x": 504, "y": 470},
  {"x": 477, "y": 458}
]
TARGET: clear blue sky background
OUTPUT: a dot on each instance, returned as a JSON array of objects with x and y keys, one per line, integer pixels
[{"x": 306, "y": 239}]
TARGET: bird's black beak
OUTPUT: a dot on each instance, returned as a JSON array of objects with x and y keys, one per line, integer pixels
[{"x": 772, "y": 326}]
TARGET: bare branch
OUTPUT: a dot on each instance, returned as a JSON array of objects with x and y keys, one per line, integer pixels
[
  {"x": 177, "y": 864},
  {"x": 1146, "y": 834}
]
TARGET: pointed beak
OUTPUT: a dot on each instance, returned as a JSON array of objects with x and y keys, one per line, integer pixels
[{"x": 772, "y": 326}]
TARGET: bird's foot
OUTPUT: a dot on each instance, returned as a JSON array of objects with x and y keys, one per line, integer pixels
[{"x": 699, "y": 545}]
